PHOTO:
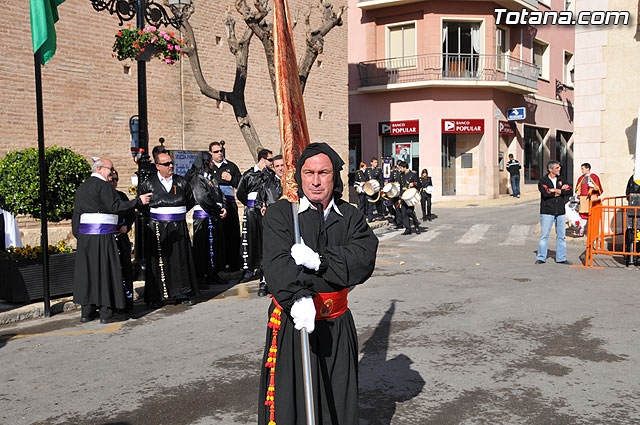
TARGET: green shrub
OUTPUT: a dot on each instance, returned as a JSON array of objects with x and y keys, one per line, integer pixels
[{"x": 20, "y": 182}]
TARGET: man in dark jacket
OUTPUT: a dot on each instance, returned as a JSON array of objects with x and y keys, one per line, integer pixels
[
  {"x": 513, "y": 166},
  {"x": 553, "y": 193},
  {"x": 310, "y": 282}
]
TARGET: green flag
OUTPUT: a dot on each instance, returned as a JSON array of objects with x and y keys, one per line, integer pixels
[{"x": 44, "y": 14}]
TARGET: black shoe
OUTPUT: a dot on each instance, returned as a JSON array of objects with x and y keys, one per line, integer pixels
[
  {"x": 185, "y": 301},
  {"x": 567, "y": 262},
  {"x": 155, "y": 304},
  {"x": 424, "y": 218},
  {"x": 262, "y": 290},
  {"x": 86, "y": 319},
  {"x": 247, "y": 276},
  {"x": 407, "y": 232},
  {"x": 117, "y": 317},
  {"x": 417, "y": 231},
  {"x": 539, "y": 262}
]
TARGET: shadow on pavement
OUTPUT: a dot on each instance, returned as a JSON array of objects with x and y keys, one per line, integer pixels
[{"x": 384, "y": 383}]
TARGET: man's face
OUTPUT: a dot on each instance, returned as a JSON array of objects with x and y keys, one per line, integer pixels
[
  {"x": 555, "y": 170},
  {"x": 374, "y": 163},
  {"x": 278, "y": 167},
  {"x": 106, "y": 169},
  {"x": 113, "y": 178},
  {"x": 317, "y": 179},
  {"x": 164, "y": 165},
  {"x": 268, "y": 161},
  {"x": 585, "y": 170},
  {"x": 216, "y": 153}
]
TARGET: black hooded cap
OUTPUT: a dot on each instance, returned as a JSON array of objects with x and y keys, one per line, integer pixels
[
  {"x": 199, "y": 165},
  {"x": 314, "y": 149}
]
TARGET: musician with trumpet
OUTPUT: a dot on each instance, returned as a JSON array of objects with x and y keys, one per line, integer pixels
[{"x": 409, "y": 197}]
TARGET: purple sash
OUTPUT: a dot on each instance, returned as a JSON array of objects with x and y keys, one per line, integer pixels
[
  {"x": 168, "y": 217},
  {"x": 97, "y": 228},
  {"x": 200, "y": 214},
  {"x": 251, "y": 203}
]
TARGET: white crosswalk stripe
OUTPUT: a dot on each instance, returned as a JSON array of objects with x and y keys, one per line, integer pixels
[
  {"x": 517, "y": 235},
  {"x": 475, "y": 234},
  {"x": 430, "y": 235}
]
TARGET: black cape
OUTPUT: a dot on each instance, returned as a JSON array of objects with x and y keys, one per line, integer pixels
[
  {"x": 231, "y": 223},
  {"x": 271, "y": 190},
  {"x": 98, "y": 275},
  {"x": 124, "y": 250},
  {"x": 251, "y": 181},
  {"x": 168, "y": 241}
]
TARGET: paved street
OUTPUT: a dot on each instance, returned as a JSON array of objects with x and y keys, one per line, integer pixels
[{"x": 457, "y": 326}]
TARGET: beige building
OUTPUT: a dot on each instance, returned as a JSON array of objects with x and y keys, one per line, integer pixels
[
  {"x": 89, "y": 95},
  {"x": 607, "y": 95}
]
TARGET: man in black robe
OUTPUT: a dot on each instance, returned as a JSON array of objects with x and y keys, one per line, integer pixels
[
  {"x": 170, "y": 268},
  {"x": 98, "y": 276},
  {"x": 271, "y": 192},
  {"x": 408, "y": 179},
  {"x": 227, "y": 175},
  {"x": 250, "y": 185},
  {"x": 208, "y": 213},
  {"x": 310, "y": 282},
  {"x": 125, "y": 220}
]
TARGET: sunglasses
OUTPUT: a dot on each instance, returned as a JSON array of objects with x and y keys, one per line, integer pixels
[
  {"x": 166, "y": 164},
  {"x": 269, "y": 159},
  {"x": 218, "y": 151}
]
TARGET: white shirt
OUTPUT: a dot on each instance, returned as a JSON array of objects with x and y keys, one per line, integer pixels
[
  {"x": 553, "y": 181},
  {"x": 100, "y": 176},
  {"x": 305, "y": 204},
  {"x": 167, "y": 183},
  {"x": 220, "y": 164}
]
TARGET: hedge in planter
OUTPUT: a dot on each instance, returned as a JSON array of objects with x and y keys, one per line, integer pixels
[{"x": 20, "y": 182}]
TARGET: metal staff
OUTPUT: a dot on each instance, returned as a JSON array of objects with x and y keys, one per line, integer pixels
[{"x": 294, "y": 137}]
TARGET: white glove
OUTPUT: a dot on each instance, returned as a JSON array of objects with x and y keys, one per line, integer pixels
[
  {"x": 303, "y": 312},
  {"x": 591, "y": 184},
  {"x": 305, "y": 256}
]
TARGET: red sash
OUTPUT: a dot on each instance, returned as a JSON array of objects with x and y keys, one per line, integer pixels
[{"x": 329, "y": 305}]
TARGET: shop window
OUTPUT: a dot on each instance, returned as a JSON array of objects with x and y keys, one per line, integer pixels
[
  {"x": 401, "y": 46},
  {"x": 541, "y": 58},
  {"x": 461, "y": 47},
  {"x": 534, "y": 167}
]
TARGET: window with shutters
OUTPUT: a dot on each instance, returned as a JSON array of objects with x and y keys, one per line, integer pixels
[{"x": 401, "y": 45}]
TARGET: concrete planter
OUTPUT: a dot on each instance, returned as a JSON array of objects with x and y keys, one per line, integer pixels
[{"x": 22, "y": 279}]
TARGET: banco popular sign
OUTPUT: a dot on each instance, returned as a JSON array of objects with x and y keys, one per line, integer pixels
[
  {"x": 462, "y": 126},
  {"x": 398, "y": 128}
]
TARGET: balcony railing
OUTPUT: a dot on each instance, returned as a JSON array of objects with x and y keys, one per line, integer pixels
[{"x": 446, "y": 67}]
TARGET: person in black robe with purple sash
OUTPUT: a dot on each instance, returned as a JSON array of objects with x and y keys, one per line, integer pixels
[
  {"x": 98, "y": 275},
  {"x": 170, "y": 269},
  {"x": 208, "y": 213},
  {"x": 310, "y": 282}
]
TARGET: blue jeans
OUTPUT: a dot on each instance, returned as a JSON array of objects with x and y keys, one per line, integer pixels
[
  {"x": 515, "y": 185},
  {"x": 546, "y": 222}
]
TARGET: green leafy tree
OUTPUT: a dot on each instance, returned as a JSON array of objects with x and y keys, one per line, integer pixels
[{"x": 20, "y": 182}]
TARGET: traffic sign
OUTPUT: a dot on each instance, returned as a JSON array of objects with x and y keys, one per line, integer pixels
[{"x": 514, "y": 114}]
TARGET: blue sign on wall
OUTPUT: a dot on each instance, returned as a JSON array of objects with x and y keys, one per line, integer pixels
[{"x": 514, "y": 114}]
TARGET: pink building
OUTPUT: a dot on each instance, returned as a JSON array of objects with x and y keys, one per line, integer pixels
[{"x": 433, "y": 82}]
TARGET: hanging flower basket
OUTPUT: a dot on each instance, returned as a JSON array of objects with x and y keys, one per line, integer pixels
[{"x": 137, "y": 44}]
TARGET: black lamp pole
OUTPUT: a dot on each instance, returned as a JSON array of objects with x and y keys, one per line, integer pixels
[{"x": 153, "y": 13}]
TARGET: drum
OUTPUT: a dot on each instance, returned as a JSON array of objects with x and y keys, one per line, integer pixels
[
  {"x": 372, "y": 187},
  {"x": 359, "y": 188},
  {"x": 391, "y": 190},
  {"x": 411, "y": 196}
]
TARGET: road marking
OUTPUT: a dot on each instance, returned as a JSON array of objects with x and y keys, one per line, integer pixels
[
  {"x": 517, "y": 235},
  {"x": 430, "y": 235},
  {"x": 114, "y": 327},
  {"x": 474, "y": 234}
]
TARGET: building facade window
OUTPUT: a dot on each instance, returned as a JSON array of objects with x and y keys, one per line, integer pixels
[
  {"x": 502, "y": 48},
  {"x": 567, "y": 69},
  {"x": 461, "y": 47},
  {"x": 401, "y": 46},
  {"x": 541, "y": 58},
  {"x": 534, "y": 166}
]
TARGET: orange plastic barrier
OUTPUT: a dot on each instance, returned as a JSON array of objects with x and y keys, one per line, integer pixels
[{"x": 613, "y": 229}]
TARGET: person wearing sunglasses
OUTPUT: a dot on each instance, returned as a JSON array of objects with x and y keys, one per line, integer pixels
[
  {"x": 227, "y": 175},
  {"x": 170, "y": 269},
  {"x": 251, "y": 183},
  {"x": 97, "y": 275}
]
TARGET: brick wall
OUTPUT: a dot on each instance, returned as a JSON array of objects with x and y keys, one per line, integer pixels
[{"x": 88, "y": 97}]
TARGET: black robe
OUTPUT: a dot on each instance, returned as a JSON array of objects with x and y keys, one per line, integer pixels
[
  {"x": 251, "y": 181},
  {"x": 348, "y": 246},
  {"x": 98, "y": 275},
  {"x": 271, "y": 190},
  {"x": 177, "y": 270},
  {"x": 208, "y": 233},
  {"x": 408, "y": 213},
  {"x": 124, "y": 250},
  {"x": 231, "y": 223}
]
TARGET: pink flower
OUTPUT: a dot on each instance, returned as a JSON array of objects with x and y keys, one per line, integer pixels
[
  {"x": 177, "y": 47},
  {"x": 167, "y": 37},
  {"x": 154, "y": 39},
  {"x": 168, "y": 60},
  {"x": 162, "y": 33},
  {"x": 170, "y": 46},
  {"x": 152, "y": 28}
]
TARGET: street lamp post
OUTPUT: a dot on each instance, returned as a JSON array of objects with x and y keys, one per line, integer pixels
[{"x": 145, "y": 11}]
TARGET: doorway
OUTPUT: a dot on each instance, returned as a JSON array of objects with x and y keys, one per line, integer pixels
[{"x": 448, "y": 164}]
